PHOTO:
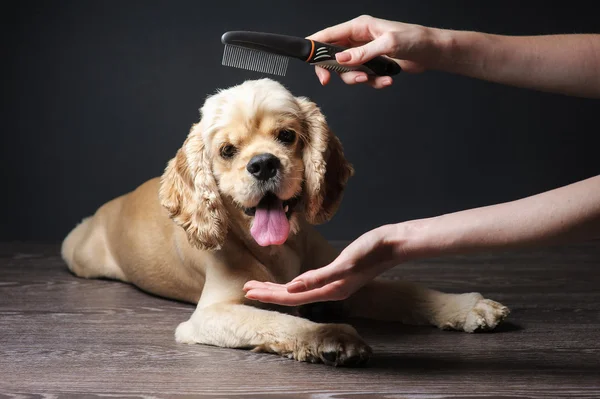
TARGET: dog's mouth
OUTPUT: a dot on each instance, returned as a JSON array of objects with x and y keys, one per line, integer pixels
[
  {"x": 271, "y": 224},
  {"x": 270, "y": 200}
]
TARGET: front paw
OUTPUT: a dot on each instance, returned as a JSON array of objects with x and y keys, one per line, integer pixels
[
  {"x": 331, "y": 344},
  {"x": 186, "y": 333},
  {"x": 337, "y": 345}
]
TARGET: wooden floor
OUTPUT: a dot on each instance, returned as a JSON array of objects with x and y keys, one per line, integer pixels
[{"x": 70, "y": 337}]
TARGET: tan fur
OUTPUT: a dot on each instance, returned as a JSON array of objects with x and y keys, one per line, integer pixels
[
  {"x": 190, "y": 194},
  {"x": 327, "y": 170},
  {"x": 184, "y": 235}
]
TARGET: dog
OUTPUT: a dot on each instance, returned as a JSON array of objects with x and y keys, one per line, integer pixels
[{"x": 239, "y": 201}]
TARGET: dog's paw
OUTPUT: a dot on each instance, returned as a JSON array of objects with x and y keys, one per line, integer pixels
[
  {"x": 338, "y": 345},
  {"x": 185, "y": 333},
  {"x": 331, "y": 344},
  {"x": 485, "y": 315}
]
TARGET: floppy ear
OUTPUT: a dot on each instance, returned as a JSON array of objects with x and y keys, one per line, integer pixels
[
  {"x": 189, "y": 192},
  {"x": 326, "y": 169}
]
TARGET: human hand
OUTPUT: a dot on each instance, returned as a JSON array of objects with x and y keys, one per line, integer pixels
[
  {"x": 365, "y": 258},
  {"x": 411, "y": 46}
]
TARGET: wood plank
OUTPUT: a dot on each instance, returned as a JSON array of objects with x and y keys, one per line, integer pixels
[{"x": 67, "y": 336}]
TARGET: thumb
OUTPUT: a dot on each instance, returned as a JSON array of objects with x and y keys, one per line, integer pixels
[
  {"x": 361, "y": 54},
  {"x": 317, "y": 278}
]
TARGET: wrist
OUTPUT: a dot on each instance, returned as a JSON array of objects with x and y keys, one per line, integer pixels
[
  {"x": 441, "y": 46},
  {"x": 403, "y": 241},
  {"x": 416, "y": 239},
  {"x": 459, "y": 51}
]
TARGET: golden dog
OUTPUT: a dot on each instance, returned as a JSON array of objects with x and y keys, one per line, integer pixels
[{"x": 238, "y": 202}]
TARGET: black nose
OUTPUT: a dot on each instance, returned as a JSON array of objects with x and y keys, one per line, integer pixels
[{"x": 263, "y": 166}]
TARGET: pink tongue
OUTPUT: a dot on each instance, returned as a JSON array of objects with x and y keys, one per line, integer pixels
[{"x": 271, "y": 226}]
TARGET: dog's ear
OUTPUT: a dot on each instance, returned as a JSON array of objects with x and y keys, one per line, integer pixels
[
  {"x": 325, "y": 166},
  {"x": 189, "y": 192}
]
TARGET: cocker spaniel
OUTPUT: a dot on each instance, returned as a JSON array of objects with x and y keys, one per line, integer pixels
[{"x": 236, "y": 203}]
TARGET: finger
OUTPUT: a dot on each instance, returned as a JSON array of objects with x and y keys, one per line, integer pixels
[
  {"x": 263, "y": 285},
  {"x": 252, "y": 284},
  {"x": 270, "y": 284},
  {"x": 317, "y": 278},
  {"x": 275, "y": 286},
  {"x": 381, "y": 81},
  {"x": 327, "y": 293},
  {"x": 296, "y": 286},
  {"x": 323, "y": 75},
  {"x": 354, "y": 77},
  {"x": 269, "y": 296},
  {"x": 361, "y": 54},
  {"x": 354, "y": 29},
  {"x": 257, "y": 284}
]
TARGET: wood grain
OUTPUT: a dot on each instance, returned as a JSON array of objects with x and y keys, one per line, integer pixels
[{"x": 61, "y": 336}]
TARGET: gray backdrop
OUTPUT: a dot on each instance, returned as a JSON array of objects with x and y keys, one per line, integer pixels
[{"x": 98, "y": 95}]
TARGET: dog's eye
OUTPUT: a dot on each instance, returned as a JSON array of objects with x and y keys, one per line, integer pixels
[
  {"x": 286, "y": 136},
  {"x": 227, "y": 151}
]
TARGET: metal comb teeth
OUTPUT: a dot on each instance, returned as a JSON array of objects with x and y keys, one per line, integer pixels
[{"x": 254, "y": 60}]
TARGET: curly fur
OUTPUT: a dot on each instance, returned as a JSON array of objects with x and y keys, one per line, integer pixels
[
  {"x": 189, "y": 192},
  {"x": 327, "y": 170}
]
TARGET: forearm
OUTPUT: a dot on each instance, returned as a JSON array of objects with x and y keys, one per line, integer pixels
[
  {"x": 567, "y": 64},
  {"x": 558, "y": 216}
]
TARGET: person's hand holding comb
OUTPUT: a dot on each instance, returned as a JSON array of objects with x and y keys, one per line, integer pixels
[{"x": 411, "y": 46}]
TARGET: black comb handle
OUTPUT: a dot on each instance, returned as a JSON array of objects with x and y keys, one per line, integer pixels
[{"x": 381, "y": 66}]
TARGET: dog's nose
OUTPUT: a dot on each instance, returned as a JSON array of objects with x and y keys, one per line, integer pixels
[{"x": 263, "y": 166}]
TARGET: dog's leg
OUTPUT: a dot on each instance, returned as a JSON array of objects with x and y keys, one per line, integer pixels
[
  {"x": 235, "y": 325},
  {"x": 414, "y": 304}
]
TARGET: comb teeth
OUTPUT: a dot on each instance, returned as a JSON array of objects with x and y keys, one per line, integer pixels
[
  {"x": 335, "y": 68},
  {"x": 255, "y": 60},
  {"x": 332, "y": 65}
]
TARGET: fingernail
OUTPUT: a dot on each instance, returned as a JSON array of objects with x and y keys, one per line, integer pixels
[
  {"x": 343, "y": 56},
  {"x": 361, "y": 78},
  {"x": 296, "y": 286},
  {"x": 387, "y": 82}
]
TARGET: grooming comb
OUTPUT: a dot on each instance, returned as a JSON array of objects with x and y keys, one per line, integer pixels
[{"x": 270, "y": 53}]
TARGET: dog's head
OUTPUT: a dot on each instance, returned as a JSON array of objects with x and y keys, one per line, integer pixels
[{"x": 259, "y": 156}]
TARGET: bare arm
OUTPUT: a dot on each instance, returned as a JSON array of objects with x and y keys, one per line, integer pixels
[
  {"x": 567, "y": 64},
  {"x": 557, "y": 216}
]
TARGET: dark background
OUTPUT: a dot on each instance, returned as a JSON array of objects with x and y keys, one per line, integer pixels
[{"x": 98, "y": 95}]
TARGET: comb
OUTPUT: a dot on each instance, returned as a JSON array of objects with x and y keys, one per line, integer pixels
[{"x": 270, "y": 53}]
